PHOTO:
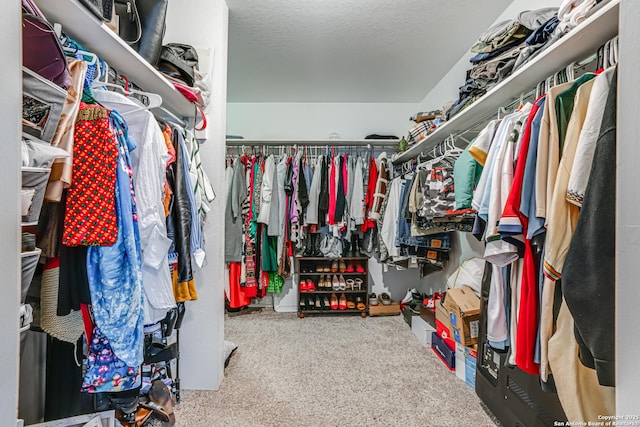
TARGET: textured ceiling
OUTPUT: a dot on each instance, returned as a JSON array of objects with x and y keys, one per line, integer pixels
[{"x": 348, "y": 50}]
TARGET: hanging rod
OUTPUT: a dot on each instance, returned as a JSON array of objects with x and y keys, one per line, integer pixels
[{"x": 318, "y": 142}]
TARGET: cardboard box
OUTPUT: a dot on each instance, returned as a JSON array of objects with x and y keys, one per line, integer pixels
[
  {"x": 443, "y": 351},
  {"x": 384, "y": 310},
  {"x": 428, "y": 315},
  {"x": 466, "y": 359},
  {"x": 464, "y": 314},
  {"x": 422, "y": 330}
]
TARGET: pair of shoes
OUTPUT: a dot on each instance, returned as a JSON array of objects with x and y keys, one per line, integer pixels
[
  {"x": 324, "y": 282},
  {"x": 373, "y": 299},
  {"x": 307, "y": 285},
  {"x": 339, "y": 284},
  {"x": 338, "y": 266},
  {"x": 385, "y": 298}
]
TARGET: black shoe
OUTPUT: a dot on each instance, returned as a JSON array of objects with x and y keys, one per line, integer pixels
[
  {"x": 311, "y": 302},
  {"x": 308, "y": 245},
  {"x": 325, "y": 303},
  {"x": 316, "y": 245}
]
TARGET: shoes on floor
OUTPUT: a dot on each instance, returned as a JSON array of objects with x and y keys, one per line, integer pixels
[
  {"x": 373, "y": 299},
  {"x": 385, "y": 298}
]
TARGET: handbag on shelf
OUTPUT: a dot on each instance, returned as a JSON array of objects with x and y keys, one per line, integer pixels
[
  {"x": 41, "y": 48},
  {"x": 103, "y": 9},
  {"x": 142, "y": 24}
]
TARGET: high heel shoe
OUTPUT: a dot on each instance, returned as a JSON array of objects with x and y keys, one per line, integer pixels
[
  {"x": 311, "y": 302},
  {"x": 342, "y": 267},
  {"x": 350, "y": 284},
  {"x": 333, "y": 302},
  {"x": 318, "y": 304},
  {"x": 350, "y": 267},
  {"x": 343, "y": 302},
  {"x": 343, "y": 284},
  {"x": 325, "y": 303},
  {"x": 335, "y": 283},
  {"x": 358, "y": 282},
  {"x": 359, "y": 267},
  {"x": 334, "y": 266}
]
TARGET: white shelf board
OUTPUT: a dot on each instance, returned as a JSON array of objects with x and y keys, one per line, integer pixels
[
  {"x": 337, "y": 142},
  {"x": 83, "y": 26},
  {"x": 578, "y": 44}
]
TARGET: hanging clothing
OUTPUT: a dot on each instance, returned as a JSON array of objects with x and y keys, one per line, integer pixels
[
  {"x": 118, "y": 309},
  {"x": 149, "y": 174},
  {"x": 380, "y": 187},
  {"x": 589, "y": 273},
  {"x": 233, "y": 217},
  {"x": 313, "y": 208},
  {"x": 62, "y": 168},
  {"x": 90, "y": 215}
]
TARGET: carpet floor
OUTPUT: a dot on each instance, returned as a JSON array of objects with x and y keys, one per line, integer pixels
[{"x": 330, "y": 371}]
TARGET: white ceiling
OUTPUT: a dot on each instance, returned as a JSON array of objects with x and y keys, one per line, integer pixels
[{"x": 348, "y": 50}]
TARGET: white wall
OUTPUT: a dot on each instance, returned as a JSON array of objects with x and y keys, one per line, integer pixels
[
  {"x": 317, "y": 120},
  {"x": 205, "y": 23},
  {"x": 628, "y": 224},
  {"x": 10, "y": 115},
  {"x": 447, "y": 89}
]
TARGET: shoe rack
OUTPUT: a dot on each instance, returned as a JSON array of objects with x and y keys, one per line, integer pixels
[{"x": 332, "y": 285}]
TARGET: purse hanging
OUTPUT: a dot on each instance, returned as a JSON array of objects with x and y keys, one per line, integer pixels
[{"x": 129, "y": 28}]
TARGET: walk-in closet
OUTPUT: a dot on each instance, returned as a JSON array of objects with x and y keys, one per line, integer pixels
[{"x": 235, "y": 212}]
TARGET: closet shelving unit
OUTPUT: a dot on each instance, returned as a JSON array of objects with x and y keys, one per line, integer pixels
[
  {"x": 578, "y": 44},
  {"x": 311, "y": 263},
  {"x": 82, "y": 25}
]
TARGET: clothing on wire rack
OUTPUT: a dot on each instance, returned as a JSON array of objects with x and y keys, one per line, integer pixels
[{"x": 536, "y": 164}]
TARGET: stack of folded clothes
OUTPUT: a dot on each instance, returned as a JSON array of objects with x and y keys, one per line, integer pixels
[
  {"x": 497, "y": 50},
  {"x": 570, "y": 14}
]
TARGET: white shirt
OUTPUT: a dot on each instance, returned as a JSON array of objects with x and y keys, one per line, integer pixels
[
  {"x": 267, "y": 190},
  {"x": 390, "y": 220},
  {"x": 149, "y": 165}
]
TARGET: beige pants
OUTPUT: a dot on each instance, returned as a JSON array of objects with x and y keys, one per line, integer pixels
[{"x": 581, "y": 396}]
